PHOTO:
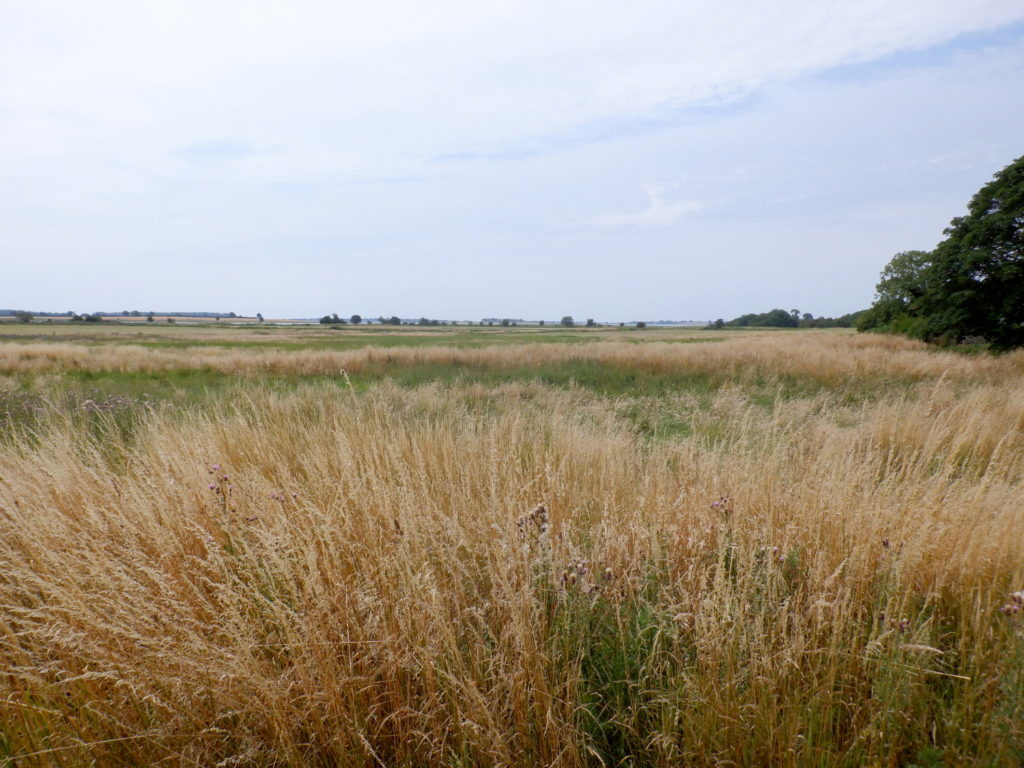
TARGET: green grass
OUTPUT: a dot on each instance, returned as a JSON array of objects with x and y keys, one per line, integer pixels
[
  {"x": 648, "y": 400},
  {"x": 345, "y": 338},
  {"x": 649, "y": 395}
]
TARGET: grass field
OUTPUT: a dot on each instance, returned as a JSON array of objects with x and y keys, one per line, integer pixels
[{"x": 471, "y": 547}]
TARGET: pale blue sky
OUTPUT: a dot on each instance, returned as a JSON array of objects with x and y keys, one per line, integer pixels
[{"x": 467, "y": 159}]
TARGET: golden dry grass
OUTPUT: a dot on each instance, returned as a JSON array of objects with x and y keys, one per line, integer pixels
[
  {"x": 822, "y": 356},
  {"x": 361, "y": 582}
]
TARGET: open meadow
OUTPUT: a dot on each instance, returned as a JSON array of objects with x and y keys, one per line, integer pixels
[{"x": 288, "y": 546}]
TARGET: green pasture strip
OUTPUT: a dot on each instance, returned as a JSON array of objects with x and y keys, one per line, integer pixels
[
  {"x": 122, "y": 395},
  {"x": 345, "y": 338},
  {"x": 312, "y": 336}
]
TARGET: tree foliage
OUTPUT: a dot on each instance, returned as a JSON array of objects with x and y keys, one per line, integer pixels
[
  {"x": 780, "y": 318},
  {"x": 972, "y": 284},
  {"x": 775, "y": 318}
]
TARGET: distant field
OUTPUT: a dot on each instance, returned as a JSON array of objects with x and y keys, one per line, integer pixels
[
  {"x": 292, "y": 546},
  {"x": 344, "y": 336}
]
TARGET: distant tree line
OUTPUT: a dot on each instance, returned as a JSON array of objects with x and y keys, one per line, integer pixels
[
  {"x": 71, "y": 315},
  {"x": 334, "y": 319},
  {"x": 780, "y": 318}
]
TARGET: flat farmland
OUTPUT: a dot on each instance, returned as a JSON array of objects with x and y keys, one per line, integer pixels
[{"x": 291, "y": 546}]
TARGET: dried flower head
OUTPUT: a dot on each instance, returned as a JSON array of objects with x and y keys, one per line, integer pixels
[{"x": 535, "y": 524}]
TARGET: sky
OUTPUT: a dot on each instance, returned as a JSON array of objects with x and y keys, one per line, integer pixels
[{"x": 458, "y": 160}]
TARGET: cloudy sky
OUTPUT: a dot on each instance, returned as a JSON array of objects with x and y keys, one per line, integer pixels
[{"x": 644, "y": 160}]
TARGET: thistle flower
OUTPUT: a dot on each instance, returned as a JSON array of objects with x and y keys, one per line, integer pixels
[{"x": 535, "y": 523}]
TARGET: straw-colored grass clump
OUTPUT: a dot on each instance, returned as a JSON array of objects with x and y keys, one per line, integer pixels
[
  {"x": 517, "y": 575},
  {"x": 821, "y": 356}
]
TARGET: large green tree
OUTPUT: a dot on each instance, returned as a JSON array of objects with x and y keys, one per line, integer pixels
[
  {"x": 898, "y": 294},
  {"x": 977, "y": 272},
  {"x": 972, "y": 284}
]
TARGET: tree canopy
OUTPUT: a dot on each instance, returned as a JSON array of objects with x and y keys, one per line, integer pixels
[
  {"x": 780, "y": 318},
  {"x": 972, "y": 284}
]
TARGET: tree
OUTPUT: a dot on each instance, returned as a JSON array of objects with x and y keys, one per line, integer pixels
[
  {"x": 24, "y": 317},
  {"x": 977, "y": 272},
  {"x": 355, "y": 319},
  {"x": 150, "y": 318},
  {"x": 779, "y": 318},
  {"x": 259, "y": 317},
  {"x": 899, "y": 292},
  {"x": 591, "y": 323},
  {"x": 972, "y": 284},
  {"x": 568, "y": 322},
  {"x": 775, "y": 318}
]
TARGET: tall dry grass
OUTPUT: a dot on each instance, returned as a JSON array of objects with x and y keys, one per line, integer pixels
[
  {"x": 822, "y": 356},
  {"x": 341, "y": 578}
]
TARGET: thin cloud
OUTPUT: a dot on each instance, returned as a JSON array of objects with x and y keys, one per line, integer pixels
[
  {"x": 661, "y": 212},
  {"x": 217, "y": 150}
]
